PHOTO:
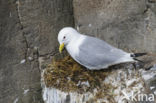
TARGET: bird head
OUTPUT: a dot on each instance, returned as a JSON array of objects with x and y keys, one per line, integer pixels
[{"x": 65, "y": 36}]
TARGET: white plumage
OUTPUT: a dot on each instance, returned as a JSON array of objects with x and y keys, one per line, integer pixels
[{"x": 91, "y": 52}]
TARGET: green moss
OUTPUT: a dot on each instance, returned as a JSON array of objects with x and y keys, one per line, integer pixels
[{"x": 67, "y": 75}]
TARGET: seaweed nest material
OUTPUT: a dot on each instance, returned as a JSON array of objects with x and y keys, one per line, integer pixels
[{"x": 67, "y": 75}]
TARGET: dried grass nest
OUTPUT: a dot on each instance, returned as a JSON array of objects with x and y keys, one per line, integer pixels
[{"x": 67, "y": 75}]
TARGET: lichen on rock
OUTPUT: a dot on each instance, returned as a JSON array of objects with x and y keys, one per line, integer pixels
[
  {"x": 64, "y": 79},
  {"x": 67, "y": 75}
]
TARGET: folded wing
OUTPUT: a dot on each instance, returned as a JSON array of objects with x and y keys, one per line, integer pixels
[{"x": 97, "y": 54}]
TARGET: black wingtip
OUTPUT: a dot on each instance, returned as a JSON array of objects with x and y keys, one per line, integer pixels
[
  {"x": 138, "y": 54},
  {"x": 138, "y": 60}
]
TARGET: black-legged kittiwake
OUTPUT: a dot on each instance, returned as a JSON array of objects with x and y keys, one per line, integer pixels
[{"x": 91, "y": 52}]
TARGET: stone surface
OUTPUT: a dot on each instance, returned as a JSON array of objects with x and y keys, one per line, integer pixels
[
  {"x": 28, "y": 31},
  {"x": 41, "y": 21},
  {"x": 126, "y": 85},
  {"x": 125, "y": 24}
]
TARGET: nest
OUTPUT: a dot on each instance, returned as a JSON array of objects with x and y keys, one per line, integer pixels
[{"x": 67, "y": 75}]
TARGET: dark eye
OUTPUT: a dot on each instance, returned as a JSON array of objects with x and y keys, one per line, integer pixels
[{"x": 64, "y": 37}]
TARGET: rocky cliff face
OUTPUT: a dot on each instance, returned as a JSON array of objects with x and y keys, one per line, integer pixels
[
  {"x": 28, "y": 30},
  {"x": 28, "y": 36},
  {"x": 125, "y": 24}
]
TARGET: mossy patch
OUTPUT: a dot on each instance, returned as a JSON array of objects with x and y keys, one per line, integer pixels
[{"x": 67, "y": 75}]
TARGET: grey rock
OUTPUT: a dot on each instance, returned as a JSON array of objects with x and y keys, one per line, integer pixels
[
  {"x": 28, "y": 28},
  {"x": 125, "y": 24}
]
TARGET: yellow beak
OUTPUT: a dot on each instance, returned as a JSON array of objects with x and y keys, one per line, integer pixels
[{"x": 61, "y": 47}]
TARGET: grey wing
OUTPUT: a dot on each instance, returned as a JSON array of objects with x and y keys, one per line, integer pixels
[{"x": 97, "y": 53}]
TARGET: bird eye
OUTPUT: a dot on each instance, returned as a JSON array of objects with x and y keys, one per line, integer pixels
[{"x": 64, "y": 37}]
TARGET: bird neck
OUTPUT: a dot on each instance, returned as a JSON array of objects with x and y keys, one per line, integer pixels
[{"x": 73, "y": 46}]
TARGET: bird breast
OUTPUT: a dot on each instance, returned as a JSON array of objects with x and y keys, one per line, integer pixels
[{"x": 73, "y": 46}]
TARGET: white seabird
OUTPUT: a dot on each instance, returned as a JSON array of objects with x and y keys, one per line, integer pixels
[{"x": 91, "y": 52}]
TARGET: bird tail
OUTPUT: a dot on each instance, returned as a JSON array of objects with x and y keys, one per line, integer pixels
[{"x": 134, "y": 55}]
